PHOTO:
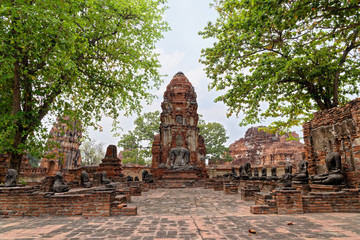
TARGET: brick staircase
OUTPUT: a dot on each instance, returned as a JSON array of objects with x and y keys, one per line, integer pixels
[
  {"x": 264, "y": 203},
  {"x": 120, "y": 206}
]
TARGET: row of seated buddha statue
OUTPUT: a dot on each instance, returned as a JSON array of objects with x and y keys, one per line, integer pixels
[
  {"x": 333, "y": 176},
  {"x": 59, "y": 185},
  {"x": 245, "y": 173}
]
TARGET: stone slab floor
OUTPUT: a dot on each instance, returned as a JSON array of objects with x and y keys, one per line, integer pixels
[{"x": 192, "y": 213}]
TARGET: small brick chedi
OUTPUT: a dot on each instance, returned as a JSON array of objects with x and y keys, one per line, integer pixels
[
  {"x": 179, "y": 151},
  {"x": 111, "y": 164}
]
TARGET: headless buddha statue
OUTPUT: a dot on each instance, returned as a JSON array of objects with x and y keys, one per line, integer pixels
[
  {"x": 10, "y": 178},
  {"x": 59, "y": 185},
  {"x": 286, "y": 178},
  {"x": 334, "y": 175},
  {"x": 256, "y": 174},
  {"x": 246, "y": 171},
  {"x": 301, "y": 177},
  {"x": 273, "y": 175},
  {"x": 263, "y": 173},
  {"x": 85, "y": 180}
]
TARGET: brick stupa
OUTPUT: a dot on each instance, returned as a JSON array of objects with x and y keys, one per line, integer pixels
[
  {"x": 111, "y": 164},
  {"x": 179, "y": 151}
]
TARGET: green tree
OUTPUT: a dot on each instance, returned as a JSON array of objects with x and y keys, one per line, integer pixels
[
  {"x": 138, "y": 142},
  {"x": 215, "y": 138},
  {"x": 85, "y": 58},
  {"x": 33, "y": 161},
  {"x": 91, "y": 152},
  {"x": 297, "y": 56}
]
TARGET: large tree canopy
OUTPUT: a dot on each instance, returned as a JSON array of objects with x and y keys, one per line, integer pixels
[
  {"x": 297, "y": 56},
  {"x": 73, "y": 57}
]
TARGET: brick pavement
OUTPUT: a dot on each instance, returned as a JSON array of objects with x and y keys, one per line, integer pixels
[{"x": 192, "y": 213}]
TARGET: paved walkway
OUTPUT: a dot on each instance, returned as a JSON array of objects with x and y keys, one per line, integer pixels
[{"x": 186, "y": 214}]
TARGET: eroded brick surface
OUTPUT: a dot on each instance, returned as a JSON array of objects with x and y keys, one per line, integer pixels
[
  {"x": 265, "y": 149},
  {"x": 194, "y": 213}
]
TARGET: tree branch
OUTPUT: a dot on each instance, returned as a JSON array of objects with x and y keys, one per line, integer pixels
[{"x": 341, "y": 63}]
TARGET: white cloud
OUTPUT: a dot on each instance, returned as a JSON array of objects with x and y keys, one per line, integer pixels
[{"x": 170, "y": 62}]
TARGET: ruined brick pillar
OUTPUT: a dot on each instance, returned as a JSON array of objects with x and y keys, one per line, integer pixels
[
  {"x": 64, "y": 142},
  {"x": 111, "y": 164},
  {"x": 179, "y": 149}
]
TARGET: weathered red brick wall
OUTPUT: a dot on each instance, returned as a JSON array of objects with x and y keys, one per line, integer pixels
[
  {"x": 347, "y": 200},
  {"x": 219, "y": 170},
  {"x": 288, "y": 201},
  {"x": 31, "y": 175},
  {"x": 337, "y": 129},
  {"x": 294, "y": 202},
  {"x": 214, "y": 171},
  {"x": 230, "y": 188},
  {"x": 24, "y": 201},
  {"x": 248, "y": 194},
  {"x": 4, "y": 162}
]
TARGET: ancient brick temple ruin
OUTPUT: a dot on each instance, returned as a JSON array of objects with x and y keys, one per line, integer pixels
[
  {"x": 265, "y": 149},
  {"x": 179, "y": 151},
  {"x": 65, "y": 141},
  {"x": 97, "y": 199},
  {"x": 320, "y": 176},
  {"x": 338, "y": 130},
  {"x": 332, "y": 151},
  {"x": 111, "y": 164}
]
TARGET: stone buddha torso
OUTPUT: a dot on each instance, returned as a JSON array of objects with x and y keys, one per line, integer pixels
[
  {"x": 334, "y": 175},
  {"x": 179, "y": 156},
  {"x": 301, "y": 177}
]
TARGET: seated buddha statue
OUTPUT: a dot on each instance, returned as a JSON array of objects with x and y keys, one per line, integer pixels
[
  {"x": 286, "y": 178},
  {"x": 302, "y": 176},
  {"x": 179, "y": 157},
  {"x": 246, "y": 171},
  {"x": 334, "y": 175},
  {"x": 263, "y": 173}
]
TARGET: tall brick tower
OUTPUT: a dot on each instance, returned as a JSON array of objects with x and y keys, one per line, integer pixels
[
  {"x": 66, "y": 140},
  {"x": 179, "y": 151}
]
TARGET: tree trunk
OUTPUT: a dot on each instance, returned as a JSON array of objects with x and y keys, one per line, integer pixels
[
  {"x": 15, "y": 161},
  {"x": 16, "y": 90},
  {"x": 15, "y": 156}
]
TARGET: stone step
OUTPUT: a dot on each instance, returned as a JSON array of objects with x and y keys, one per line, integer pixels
[
  {"x": 260, "y": 209},
  {"x": 271, "y": 202},
  {"x": 261, "y": 198},
  {"x": 123, "y": 210},
  {"x": 121, "y": 198}
]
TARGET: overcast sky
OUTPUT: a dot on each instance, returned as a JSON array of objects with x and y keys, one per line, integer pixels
[{"x": 180, "y": 51}]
